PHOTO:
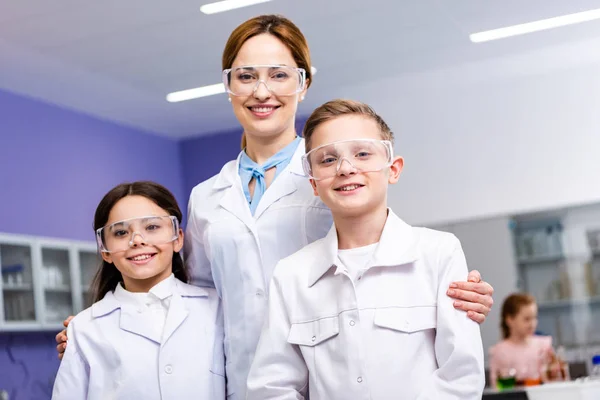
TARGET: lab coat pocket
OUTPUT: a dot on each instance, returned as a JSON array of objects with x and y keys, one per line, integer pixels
[
  {"x": 406, "y": 319},
  {"x": 316, "y": 340},
  {"x": 313, "y": 333}
]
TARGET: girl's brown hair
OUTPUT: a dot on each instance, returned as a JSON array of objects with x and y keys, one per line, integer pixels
[
  {"x": 280, "y": 27},
  {"x": 511, "y": 307},
  {"x": 108, "y": 276},
  {"x": 340, "y": 107}
]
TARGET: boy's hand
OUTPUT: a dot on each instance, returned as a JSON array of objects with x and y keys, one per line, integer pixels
[
  {"x": 474, "y": 296},
  {"x": 61, "y": 339}
]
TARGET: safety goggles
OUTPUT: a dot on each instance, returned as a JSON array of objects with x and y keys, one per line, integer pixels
[
  {"x": 280, "y": 80},
  {"x": 152, "y": 230},
  {"x": 363, "y": 155}
]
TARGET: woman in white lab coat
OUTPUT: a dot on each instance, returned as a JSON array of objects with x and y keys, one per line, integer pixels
[{"x": 259, "y": 208}]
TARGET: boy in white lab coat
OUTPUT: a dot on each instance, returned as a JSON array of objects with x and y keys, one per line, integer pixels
[{"x": 363, "y": 313}]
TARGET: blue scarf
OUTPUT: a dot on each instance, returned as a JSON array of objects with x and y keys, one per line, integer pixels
[{"x": 249, "y": 169}]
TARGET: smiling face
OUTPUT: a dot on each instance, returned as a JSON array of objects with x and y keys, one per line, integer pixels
[
  {"x": 142, "y": 265},
  {"x": 263, "y": 114},
  {"x": 352, "y": 192}
]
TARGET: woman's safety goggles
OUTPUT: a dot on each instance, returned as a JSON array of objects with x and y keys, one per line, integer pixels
[
  {"x": 280, "y": 80},
  {"x": 150, "y": 230},
  {"x": 362, "y": 155}
]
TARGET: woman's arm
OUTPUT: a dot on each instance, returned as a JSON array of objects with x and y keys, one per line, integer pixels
[{"x": 196, "y": 259}]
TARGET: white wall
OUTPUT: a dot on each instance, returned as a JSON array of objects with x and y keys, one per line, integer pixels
[
  {"x": 495, "y": 137},
  {"x": 487, "y": 244}
]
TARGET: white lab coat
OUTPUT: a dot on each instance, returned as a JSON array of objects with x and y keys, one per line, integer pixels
[
  {"x": 229, "y": 248},
  {"x": 393, "y": 333},
  {"x": 114, "y": 351}
]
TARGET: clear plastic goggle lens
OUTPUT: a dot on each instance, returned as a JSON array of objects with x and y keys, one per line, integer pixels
[
  {"x": 280, "y": 80},
  {"x": 362, "y": 155},
  {"x": 149, "y": 230}
]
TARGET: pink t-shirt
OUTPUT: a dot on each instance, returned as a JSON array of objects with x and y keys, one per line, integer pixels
[{"x": 527, "y": 359}]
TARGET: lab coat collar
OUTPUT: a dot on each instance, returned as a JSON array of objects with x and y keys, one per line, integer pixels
[
  {"x": 130, "y": 319},
  {"x": 110, "y": 302},
  {"x": 397, "y": 246},
  {"x": 228, "y": 176},
  {"x": 234, "y": 199}
]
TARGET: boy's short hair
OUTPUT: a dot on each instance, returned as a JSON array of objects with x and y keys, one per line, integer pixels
[{"x": 340, "y": 107}]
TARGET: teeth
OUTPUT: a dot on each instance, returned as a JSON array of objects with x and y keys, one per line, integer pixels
[
  {"x": 142, "y": 257},
  {"x": 262, "y": 109},
  {"x": 349, "y": 187}
]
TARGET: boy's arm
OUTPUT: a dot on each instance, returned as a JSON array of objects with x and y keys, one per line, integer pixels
[
  {"x": 72, "y": 379},
  {"x": 278, "y": 371},
  {"x": 458, "y": 346}
]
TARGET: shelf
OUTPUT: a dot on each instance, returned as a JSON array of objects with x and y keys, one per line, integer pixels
[
  {"x": 17, "y": 288},
  {"x": 26, "y": 326},
  {"x": 566, "y": 303},
  {"x": 58, "y": 289},
  {"x": 545, "y": 259}
]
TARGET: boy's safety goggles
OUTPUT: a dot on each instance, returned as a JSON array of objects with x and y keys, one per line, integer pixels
[
  {"x": 149, "y": 230},
  {"x": 362, "y": 155}
]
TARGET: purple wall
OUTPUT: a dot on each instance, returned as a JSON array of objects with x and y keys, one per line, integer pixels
[{"x": 55, "y": 166}]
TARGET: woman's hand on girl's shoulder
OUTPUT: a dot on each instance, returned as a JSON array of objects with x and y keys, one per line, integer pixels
[{"x": 61, "y": 338}]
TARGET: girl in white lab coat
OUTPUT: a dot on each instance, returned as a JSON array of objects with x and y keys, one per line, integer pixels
[
  {"x": 260, "y": 208},
  {"x": 149, "y": 335}
]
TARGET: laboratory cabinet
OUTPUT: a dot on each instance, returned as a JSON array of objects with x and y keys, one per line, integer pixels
[{"x": 43, "y": 280}]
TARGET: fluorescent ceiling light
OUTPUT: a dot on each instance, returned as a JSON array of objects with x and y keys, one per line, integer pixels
[
  {"x": 227, "y": 5},
  {"x": 203, "y": 91},
  {"x": 535, "y": 26},
  {"x": 195, "y": 93}
]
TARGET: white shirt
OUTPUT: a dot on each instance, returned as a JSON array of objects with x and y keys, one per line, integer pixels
[
  {"x": 229, "y": 248},
  {"x": 356, "y": 260},
  {"x": 149, "y": 302},
  {"x": 116, "y": 352},
  {"x": 393, "y": 334}
]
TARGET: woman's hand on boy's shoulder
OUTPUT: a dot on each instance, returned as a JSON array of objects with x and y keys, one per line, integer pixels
[
  {"x": 473, "y": 296},
  {"x": 61, "y": 338}
]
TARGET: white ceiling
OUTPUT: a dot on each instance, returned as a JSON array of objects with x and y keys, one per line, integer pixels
[{"x": 117, "y": 59}]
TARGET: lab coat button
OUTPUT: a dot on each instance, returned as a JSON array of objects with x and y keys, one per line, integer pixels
[
  {"x": 168, "y": 369},
  {"x": 314, "y": 338},
  {"x": 359, "y": 380},
  {"x": 351, "y": 323},
  {"x": 259, "y": 293}
]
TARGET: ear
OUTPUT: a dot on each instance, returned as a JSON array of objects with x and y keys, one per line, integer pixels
[
  {"x": 509, "y": 320},
  {"x": 178, "y": 243},
  {"x": 313, "y": 183},
  {"x": 396, "y": 169},
  {"x": 302, "y": 94},
  {"x": 106, "y": 257}
]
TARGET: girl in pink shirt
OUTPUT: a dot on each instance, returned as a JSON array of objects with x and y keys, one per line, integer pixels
[{"x": 521, "y": 354}]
